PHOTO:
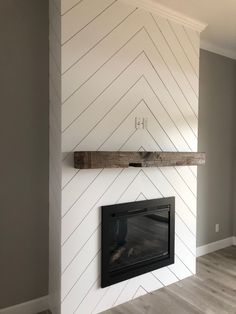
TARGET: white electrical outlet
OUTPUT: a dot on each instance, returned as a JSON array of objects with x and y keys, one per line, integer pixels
[
  {"x": 217, "y": 228},
  {"x": 141, "y": 123},
  {"x": 138, "y": 123}
]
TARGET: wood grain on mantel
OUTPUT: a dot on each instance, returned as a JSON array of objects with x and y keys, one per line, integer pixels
[{"x": 94, "y": 160}]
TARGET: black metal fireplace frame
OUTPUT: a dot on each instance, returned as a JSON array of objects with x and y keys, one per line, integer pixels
[{"x": 131, "y": 209}]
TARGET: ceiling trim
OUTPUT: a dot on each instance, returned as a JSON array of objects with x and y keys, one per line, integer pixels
[
  {"x": 168, "y": 13},
  {"x": 206, "y": 45}
]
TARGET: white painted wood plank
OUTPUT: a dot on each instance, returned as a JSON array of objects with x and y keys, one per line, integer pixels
[
  {"x": 139, "y": 293},
  {"x": 194, "y": 37},
  {"x": 189, "y": 178},
  {"x": 178, "y": 51},
  {"x": 110, "y": 297},
  {"x": 141, "y": 184},
  {"x": 186, "y": 45},
  {"x": 78, "y": 73},
  {"x": 72, "y": 301},
  {"x": 179, "y": 269},
  {"x": 77, "y": 104},
  {"x": 67, "y": 5},
  {"x": 125, "y": 138},
  {"x": 71, "y": 138},
  {"x": 110, "y": 88},
  {"x": 93, "y": 34},
  {"x": 94, "y": 296},
  {"x": 135, "y": 140},
  {"x": 185, "y": 256},
  {"x": 87, "y": 201},
  {"x": 182, "y": 135},
  {"x": 68, "y": 170},
  {"x": 97, "y": 58},
  {"x": 77, "y": 186},
  {"x": 147, "y": 281},
  {"x": 185, "y": 235},
  {"x": 194, "y": 170},
  {"x": 171, "y": 62},
  {"x": 165, "y": 276},
  {"x": 76, "y": 268},
  {"x": 92, "y": 220},
  {"x": 167, "y": 121},
  {"x": 133, "y": 143},
  {"x": 159, "y": 128},
  {"x": 80, "y": 237},
  {"x": 180, "y": 186},
  {"x": 167, "y": 190},
  {"x": 83, "y": 14}
]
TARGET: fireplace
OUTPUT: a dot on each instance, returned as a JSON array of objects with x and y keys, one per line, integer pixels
[{"x": 137, "y": 237}]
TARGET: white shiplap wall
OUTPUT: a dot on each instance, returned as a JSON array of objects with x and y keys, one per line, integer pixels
[{"x": 119, "y": 62}]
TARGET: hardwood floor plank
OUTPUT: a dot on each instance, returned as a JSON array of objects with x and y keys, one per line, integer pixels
[
  {"x": 205, "y": 271},
  {"x": 219, "y": 289},
  {"x": 202, "y": 298},
  {"x": 171, "y": 303},
  {"x": 219, "y": 265},
  {"x": 221, "y": 261},
  {"x": 229, "y": 252},
  {"x": 211, "y": 291}
]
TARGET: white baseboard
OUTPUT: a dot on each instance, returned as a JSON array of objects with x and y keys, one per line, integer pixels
[
  {"x": 214, "y": 246},
  {"x": 30, "y": 307},
  {"x": 234, "y": 240}
]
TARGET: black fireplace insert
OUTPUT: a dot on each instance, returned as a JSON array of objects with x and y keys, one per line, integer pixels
[{"x": 137, "y": 237}]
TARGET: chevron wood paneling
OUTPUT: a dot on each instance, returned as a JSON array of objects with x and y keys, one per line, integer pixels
[{"x": 112, "y": 62}]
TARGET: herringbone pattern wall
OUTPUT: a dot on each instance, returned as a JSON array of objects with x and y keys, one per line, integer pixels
[{"x": 120, "y": 62}]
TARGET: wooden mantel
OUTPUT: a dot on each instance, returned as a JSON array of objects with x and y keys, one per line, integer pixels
[{"x": 94, "y": 160}]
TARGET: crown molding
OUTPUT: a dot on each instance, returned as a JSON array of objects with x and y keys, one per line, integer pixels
[
  {"x": 229, "y": 53},
  {"x": 161, "y": 10}
]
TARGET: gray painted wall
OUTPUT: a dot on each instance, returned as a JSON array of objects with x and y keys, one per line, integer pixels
[
  {"x": 234, "y": 170},
  {"x": 24, "y": 150},
  {"x": 216, "y": 138},
  {"x": 234, "y": 186}
]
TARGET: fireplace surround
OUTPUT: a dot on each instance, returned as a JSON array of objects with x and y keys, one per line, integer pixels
[
  {"x": 135, "y": 64},
  {"x": 137, "y": 237}
]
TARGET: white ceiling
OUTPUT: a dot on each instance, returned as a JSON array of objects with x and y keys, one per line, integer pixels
[{"x": 220, "y": 15}]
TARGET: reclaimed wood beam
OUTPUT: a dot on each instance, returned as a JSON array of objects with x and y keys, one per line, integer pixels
[{"x": 95, "y": 160}]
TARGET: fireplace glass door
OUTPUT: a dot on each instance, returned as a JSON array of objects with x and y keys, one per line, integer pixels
[{"x": 136, "y": 237}]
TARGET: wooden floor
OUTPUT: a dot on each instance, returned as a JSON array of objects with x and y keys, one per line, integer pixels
[{"x": 211, "y": 291}]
